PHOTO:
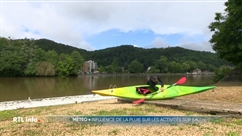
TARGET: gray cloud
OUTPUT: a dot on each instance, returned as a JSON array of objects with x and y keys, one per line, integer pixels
[
  {"x": 71, "y": 22},
  {"x": 158, "y": 42},
  {"x": 203, "y": 46}
]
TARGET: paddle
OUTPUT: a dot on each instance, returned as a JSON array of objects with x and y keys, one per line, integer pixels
[{"x": 180, "y": 81}]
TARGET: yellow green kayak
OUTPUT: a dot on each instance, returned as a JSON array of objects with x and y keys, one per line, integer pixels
[{"x": 131, "y": 92}]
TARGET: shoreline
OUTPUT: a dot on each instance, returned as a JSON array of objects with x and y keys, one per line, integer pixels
[
  {"x": 230, "y": 94},
  {"x": 52, "y": 101}
]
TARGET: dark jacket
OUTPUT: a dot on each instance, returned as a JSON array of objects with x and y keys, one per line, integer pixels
[{"x": 153, "y": 84}]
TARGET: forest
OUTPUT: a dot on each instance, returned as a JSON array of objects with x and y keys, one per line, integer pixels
[{"x": 43, "y": 57}]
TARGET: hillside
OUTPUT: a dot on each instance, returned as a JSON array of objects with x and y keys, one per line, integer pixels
[
  {"x": 125, "y": 54},
  {"x": 128, "y": 53},
  {"x": 43, "y": 57},
  {"x": 47, "y": 45}
]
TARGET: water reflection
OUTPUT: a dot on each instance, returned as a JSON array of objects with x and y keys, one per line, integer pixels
[{"x": 89, "y": 81}]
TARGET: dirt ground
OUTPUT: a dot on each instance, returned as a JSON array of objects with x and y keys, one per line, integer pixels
[
  {"x": 224, "y": 127},
  {"x": 219, "y": 94}
]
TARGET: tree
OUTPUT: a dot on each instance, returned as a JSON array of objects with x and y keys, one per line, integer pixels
[
  {"x": 36, "y": 56},
  {"x": 211, "y": 67},
  {"x": 101, "y": 69},
  {"x": 227, "y": 37},
  {"x": 109, "y": 69},
  {"x": 65, "y": 65},
  {"x": 201, "y": 65},
  {"x": 115, "y": 66},
  {"x": 29, "y": 53},
  {"x": 77, "y": 62},
  {"x": 52, "y": 57},
  {"x": 30, "y": 69},
  {"x": 12, "y": 62},
  {"x": 162, "y": 64},
  {"x": 186, "y": 67},
  {"x": 221, "y": 72},
  {"x": 175, "y": 67},
  {"x": 192, "y": 64},
  {"x": 45, "y": 69},
  {"x": 153, "y": 70},
  {"x": 39, "y": 55},
  {"x": 135, "y": 67}
]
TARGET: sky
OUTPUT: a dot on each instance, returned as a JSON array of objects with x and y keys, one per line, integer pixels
[{"x": 94, "y": 25}]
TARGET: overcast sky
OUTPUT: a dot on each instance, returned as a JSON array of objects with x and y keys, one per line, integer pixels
[{"x": 94, "y": 25}]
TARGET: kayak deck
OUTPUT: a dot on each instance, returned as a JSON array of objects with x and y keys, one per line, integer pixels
[{"x": 131, "y": 91}]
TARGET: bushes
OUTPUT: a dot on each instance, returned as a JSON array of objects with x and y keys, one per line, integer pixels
[{"x": 221, "y": 72}]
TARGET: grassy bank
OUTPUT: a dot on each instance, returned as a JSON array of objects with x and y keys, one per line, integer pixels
[{"x": 226, "y": 126}]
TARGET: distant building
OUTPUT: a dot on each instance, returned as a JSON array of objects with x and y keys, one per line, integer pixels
[
  {"x": 196, "y": 71},
  {"x": 89, "y": 66}
]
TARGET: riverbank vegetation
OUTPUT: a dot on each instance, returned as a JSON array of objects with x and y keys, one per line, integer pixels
[
  {"x": 29, "y": 57},
  {"x": 24, "y": 58}
]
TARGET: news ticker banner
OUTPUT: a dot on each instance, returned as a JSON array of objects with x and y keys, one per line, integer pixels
[{"x": 140, "y": 120}]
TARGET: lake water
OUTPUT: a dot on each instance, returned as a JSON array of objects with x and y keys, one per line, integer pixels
[{"x": 12, "y": 88}]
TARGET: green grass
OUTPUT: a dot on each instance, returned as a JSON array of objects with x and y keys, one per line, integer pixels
[
  {"x": 112, "y": 112},
  {"x": 74, "y": 112},
  {"x": 238, "y": 122},
  {"x": 188, "y": 113},
  {"x": 32, "y": 133},
  {"x": 32, "y": 112},
  {"x": 124, "y": 111},
  {"x": 8, "y": 114},
  {"x": 181, "y": 128},
  {"x": 151, "y": 108},
  {"x": 218, "y": 120},
  {"x": 48, "y": 109},
  {"x": 79, "y": 126},
  {"x": 130, "y": 111},
  {"x": 157, "y": 132},
  {"x": 114, "y": 131},
  {"x": 232, "y": 134},
  {"x": 229, "y": 125}
]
